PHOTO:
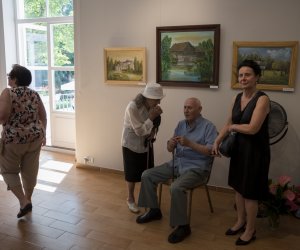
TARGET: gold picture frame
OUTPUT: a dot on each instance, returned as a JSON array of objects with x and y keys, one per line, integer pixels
[
  {"x": 125, "y": 66},
  {"x": 278, "y": 61}
]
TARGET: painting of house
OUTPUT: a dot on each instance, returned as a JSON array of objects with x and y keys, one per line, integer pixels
[
  {"x": 125, "y": 65},
  {"x": 187, "y": 56}
]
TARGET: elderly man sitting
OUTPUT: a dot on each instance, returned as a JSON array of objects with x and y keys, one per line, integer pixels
[{"x": 192, "y": 141}]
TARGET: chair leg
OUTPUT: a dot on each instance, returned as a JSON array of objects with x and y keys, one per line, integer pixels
[
  {"x": 209, "y": 200},
  {"x": 159, "y": 194},
  {"x": 190, "y": 205},
  {"x": 191, "y": 199}
]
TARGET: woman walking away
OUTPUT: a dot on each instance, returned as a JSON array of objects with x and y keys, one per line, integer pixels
[{"x": 24, "y": 121}]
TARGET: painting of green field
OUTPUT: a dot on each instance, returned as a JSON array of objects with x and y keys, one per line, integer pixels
[{"x": 273, "y": 61}]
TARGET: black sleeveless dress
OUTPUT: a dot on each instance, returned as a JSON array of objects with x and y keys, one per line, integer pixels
[{"x": 249, "y": 164}]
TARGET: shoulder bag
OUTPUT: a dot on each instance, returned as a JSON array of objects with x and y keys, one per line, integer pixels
[{"x": 227, "y": 144}]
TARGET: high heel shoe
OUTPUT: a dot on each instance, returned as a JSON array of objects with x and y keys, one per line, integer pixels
[
  {"x": 240, "y": 242},
  {"x": 234, "y": 232}
]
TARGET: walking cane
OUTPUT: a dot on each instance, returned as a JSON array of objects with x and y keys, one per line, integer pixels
[
  {"x": 148, "y": 153},
  {"x": 150, "y": 141},
  {"x": 173, "y": 166}
]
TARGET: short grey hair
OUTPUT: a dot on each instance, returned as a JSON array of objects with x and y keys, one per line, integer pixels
[
  {"x": 196, "y": 100},
  {"x": 139, "y": 100}
]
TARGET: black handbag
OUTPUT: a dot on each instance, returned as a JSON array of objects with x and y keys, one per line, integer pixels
[{"x": 227, "y": 144}]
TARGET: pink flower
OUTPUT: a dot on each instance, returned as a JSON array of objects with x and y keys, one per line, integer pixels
[
  {"x": 285, "y": 197},
  {"x": 292, "y": 206},
  {"x": 288, "y": 194},
  {"x": 283, "y": 180},
  {"x": 273, "y": 188}
]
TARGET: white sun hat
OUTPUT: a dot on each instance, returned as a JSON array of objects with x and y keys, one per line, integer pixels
[{"x": 153, "y": 91}]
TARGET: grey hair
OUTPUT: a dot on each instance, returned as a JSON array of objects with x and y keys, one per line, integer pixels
[
  {"x": 196, "y": 100},
  {"x": 139, "y": 100}
]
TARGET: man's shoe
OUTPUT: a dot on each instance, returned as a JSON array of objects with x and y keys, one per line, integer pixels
[
  {"x": 152, "y": 214},
  {"x": 133, "y": 207},
  {"x": 179, "y": 234}
]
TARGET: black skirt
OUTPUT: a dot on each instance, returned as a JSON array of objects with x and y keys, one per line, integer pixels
[{"x": 136, "y": 163}]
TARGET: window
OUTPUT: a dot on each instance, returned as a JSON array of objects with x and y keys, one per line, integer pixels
[
  {"x": 46, "y": 47},
  {"x": 44, "y": 8}
]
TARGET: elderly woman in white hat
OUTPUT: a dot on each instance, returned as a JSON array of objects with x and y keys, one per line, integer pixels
[{"x": 139, "y": 124}]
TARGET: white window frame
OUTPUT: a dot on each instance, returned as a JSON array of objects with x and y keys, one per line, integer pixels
[
  {"x": 61, "y": 129},
  {"x": 21, "y": 47}
]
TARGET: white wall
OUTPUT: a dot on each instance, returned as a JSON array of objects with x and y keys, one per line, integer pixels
[{"x": 132, "y": 23}]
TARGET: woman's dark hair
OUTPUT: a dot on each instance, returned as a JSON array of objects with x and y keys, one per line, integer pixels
[
  {"x": 251, "y": 64},
  {"x": 21, "y": 74}
]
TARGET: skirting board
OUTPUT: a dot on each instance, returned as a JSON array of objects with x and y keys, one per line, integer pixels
[
  {"x": 99, "y": 169},
  {"x": 114, "y": 171}
]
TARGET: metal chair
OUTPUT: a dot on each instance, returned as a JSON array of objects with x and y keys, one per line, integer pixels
[{"x": 190, "y": 191}]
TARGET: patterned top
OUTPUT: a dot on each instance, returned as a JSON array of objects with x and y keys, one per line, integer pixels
[{"x": 23, "y": 125}]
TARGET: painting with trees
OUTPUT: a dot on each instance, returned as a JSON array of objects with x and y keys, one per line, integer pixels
[
  {"x": 125, "y": 65},
  {"x": 277, "y": 61},
  {"x": 188, "y": 55}
]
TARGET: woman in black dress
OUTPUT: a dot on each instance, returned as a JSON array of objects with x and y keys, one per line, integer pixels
[{"x": 249, "y": 164}]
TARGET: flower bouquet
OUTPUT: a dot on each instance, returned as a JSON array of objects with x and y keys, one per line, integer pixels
[{"x": 284, "y": 198}]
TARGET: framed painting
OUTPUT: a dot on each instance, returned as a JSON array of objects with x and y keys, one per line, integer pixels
[
  {"x": 188, "y": 55},
  {"x": 125, "y": 65},
  {"x": 277, "y": 60}
]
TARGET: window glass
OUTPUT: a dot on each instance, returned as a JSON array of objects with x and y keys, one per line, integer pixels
[
  {"x": 60, "y": 8},
  {"x": 63, "y": 36},
  {"x": 36, "y": 44},
  {"x": 40, "y": 84},
  {"x": 39, "y": 80},
  {"x": 64, "y": 98},
  {"x": 38, "y": 8},
  {"x": 47, "y": 48},
  {"x": 34, "y": 8}
]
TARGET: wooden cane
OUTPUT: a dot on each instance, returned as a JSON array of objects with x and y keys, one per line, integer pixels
[
  {"x": 148, "y": 153},
  {"x": 173, "y": 166}
]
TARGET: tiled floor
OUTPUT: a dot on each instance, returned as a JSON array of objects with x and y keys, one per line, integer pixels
[{"x": 86, "y": 209}]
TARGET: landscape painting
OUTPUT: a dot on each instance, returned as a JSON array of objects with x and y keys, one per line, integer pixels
[
  {"x": 277, "y": 61},
  {"x": 125, "y": 65},
  {"x": 188, "y": 55}
]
